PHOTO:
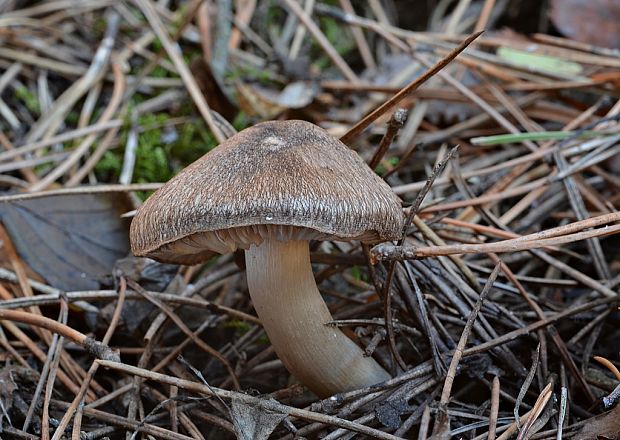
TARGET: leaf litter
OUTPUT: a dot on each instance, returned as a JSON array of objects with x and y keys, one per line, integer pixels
[{"x": 100, "y": 102}]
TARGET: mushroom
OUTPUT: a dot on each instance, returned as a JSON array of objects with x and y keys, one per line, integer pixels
[{"x": 269, "y": 190}]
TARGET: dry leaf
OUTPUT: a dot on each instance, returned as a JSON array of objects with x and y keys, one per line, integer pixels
[
  {"x": 603, "y": 427},
  {"x": 72, "y": 241},
  {"x": 7, "y": 387},
  {"x": 212, "y": 90},
  {"x": 260, "y": 101},
  {"x": 252, "y": 422},
  {"x": 590, "y": 21}
]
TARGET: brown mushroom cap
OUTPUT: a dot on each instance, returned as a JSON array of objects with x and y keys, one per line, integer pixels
[{"x": 285, "y": 179}]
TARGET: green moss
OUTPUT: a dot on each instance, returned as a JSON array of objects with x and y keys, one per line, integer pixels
[
  {"x": 152, "y": 164},
  {"x": 159, "y": 72},
  {"x": 248, "y": 73},
  {"x": 359, "y": 274},
  {"x": 240, "y": 327},
  {"x": 381, "y": 169},
  {"x": 110, "y": 163},
  {"x": 193, "y": 142},
  {"x": 263, "y": 339},
  {"x": 241, "y": 121},
  {"x": 73, "y": 117},
  {"x": 99, "y": 26},
  {"x": 156, "y": 159},
  {"x": 29, "y": 98},
  {"x": 275, "y": 15},
  {"x": 339, "y": 38},
  {"x": 156, "y": 45}
]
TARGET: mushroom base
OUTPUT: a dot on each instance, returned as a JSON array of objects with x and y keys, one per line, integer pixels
[{"x": 294, "y": 315}]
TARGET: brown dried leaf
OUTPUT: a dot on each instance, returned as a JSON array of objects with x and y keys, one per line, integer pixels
[
  {"x": 603, "y": 427},
  {"x": 590, "y": 21},
  {"x": 212, "y": 90}
]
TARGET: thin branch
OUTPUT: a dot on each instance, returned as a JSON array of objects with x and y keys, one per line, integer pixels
[
  {"x": 95, "y": 348},
  {"x": 443, "y": 422},
  {"x": 257, "y": 402},
  {"x": 387, "y": 251}
]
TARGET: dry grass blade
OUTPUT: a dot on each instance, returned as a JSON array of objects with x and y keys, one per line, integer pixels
[
  {"x": 51, "y": 121},
  {"x": 96, "y": 189},
  {"x": 494, "y": 408},
  {"x": 607, "y": 363},
  {"x": 323, "y": 41},
  {"x": 540, "y": 404},
  {"x": 108, "y": 113},
  {"x": 526, "y": 384}
]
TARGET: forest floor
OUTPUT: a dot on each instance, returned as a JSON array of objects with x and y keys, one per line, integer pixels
[{"x": 496, "y": 312}]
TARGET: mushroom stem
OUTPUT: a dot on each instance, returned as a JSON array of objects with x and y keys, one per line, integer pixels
[{"x": 294, "y": 315}]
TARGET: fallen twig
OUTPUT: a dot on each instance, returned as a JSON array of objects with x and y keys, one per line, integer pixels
[{"x": 95, "y": 348}]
